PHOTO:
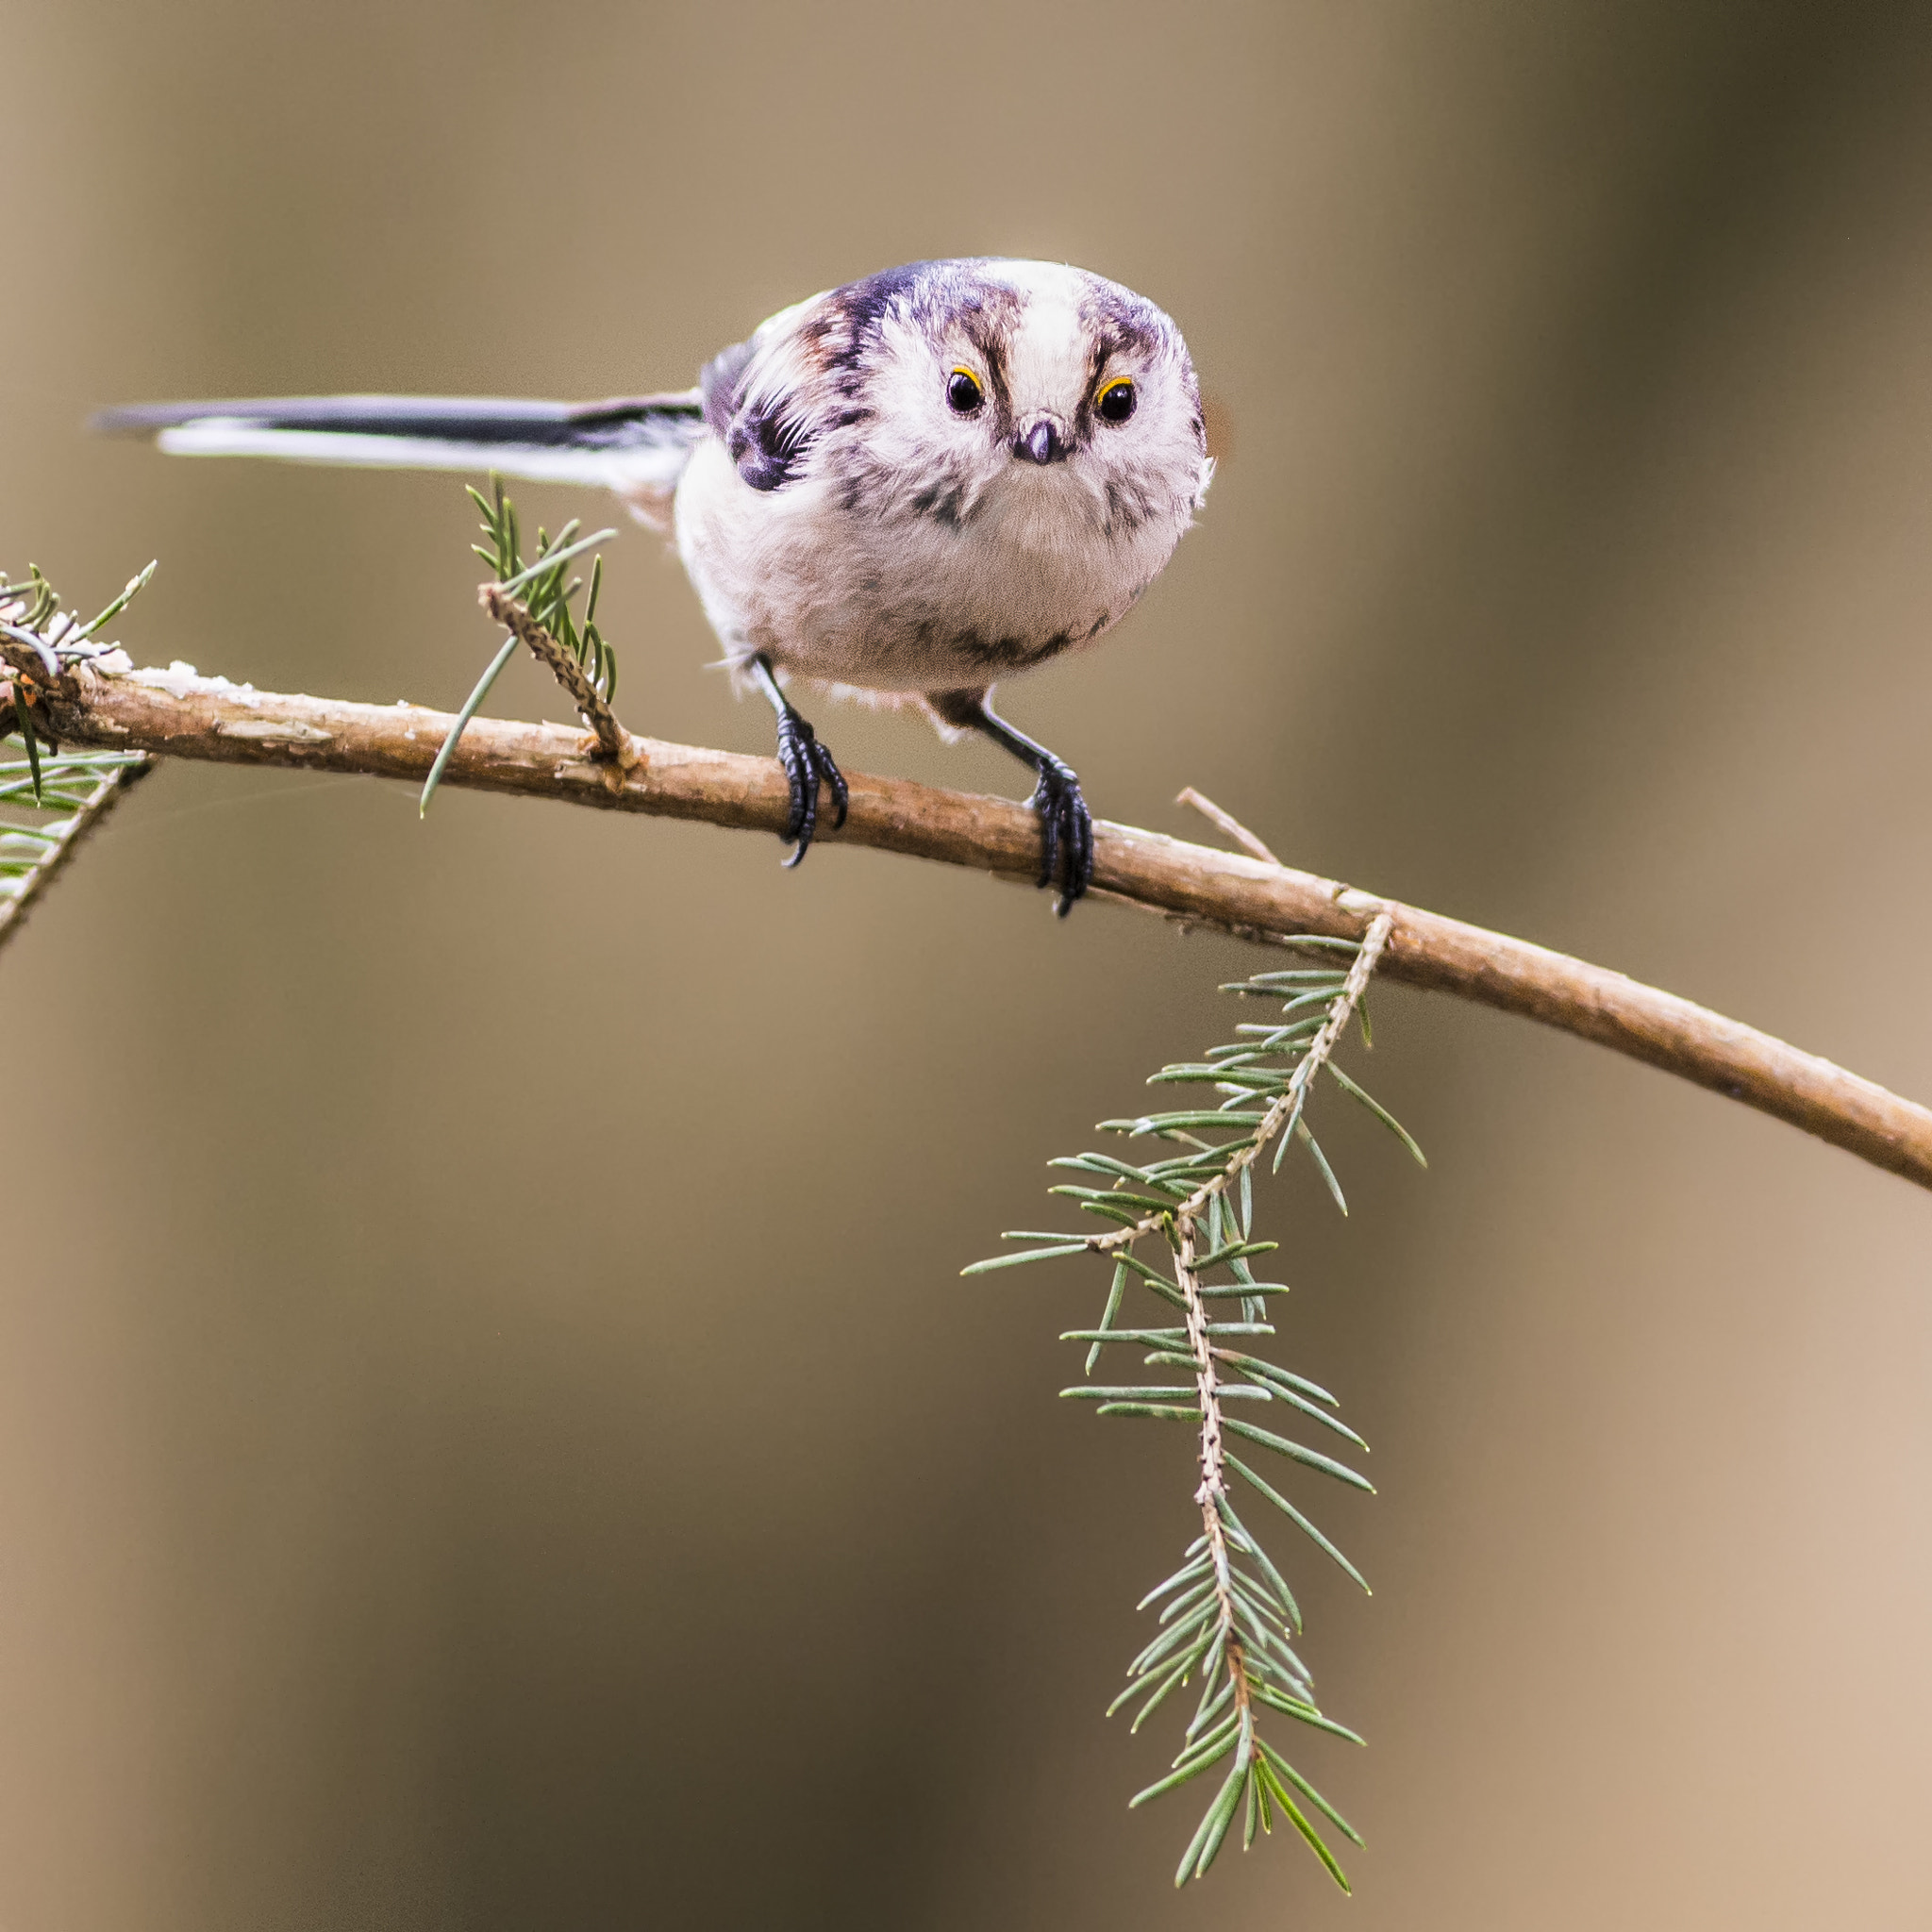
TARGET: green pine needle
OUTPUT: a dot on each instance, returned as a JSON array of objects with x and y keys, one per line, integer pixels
[
  {"x": 1227, "y": 1616},
  {"x": 548, "y": 592},
  {"x": 50, "y": 800}
]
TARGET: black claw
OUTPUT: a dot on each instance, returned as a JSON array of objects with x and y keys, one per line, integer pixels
[
  {"x": 835, "y": 779},
  {"x": 1066, "y": 834},
  {"x": 806, "y": 764},
  {"x": 1066, "y": 826}
]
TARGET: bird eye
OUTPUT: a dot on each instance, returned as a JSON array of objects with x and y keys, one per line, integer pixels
[
  {"x": 963, "y": 392},
  {"x": 1116, "y": 402}
]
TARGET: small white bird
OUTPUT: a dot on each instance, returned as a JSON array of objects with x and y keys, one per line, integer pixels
[{"x": 901, "y": 490}]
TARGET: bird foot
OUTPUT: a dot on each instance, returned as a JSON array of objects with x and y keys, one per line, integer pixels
[
  {"x": 1066, "y": 829},
  {"x": 807, "y": 763}
]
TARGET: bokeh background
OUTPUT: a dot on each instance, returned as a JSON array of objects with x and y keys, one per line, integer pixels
[{"x": 491, "y": 1432}]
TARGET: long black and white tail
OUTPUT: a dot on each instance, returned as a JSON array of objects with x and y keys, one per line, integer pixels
[{"x": 630, "y": 445}]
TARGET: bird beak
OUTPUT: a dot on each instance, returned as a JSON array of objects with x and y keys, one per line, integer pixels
[{"x": 1041, "y": 442}]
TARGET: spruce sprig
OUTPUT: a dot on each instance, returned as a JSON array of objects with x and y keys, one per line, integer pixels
[
  {"x": 31, "y": 617},
  {"x": 545, "y": 587},
  {"x": 547, "y": 591},
  {"x": 1228, "y": 1617},
  {"x": 52, "y": 799}
]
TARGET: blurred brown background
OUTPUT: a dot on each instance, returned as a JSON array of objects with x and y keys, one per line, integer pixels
[{"x": 490, "y": 1434}]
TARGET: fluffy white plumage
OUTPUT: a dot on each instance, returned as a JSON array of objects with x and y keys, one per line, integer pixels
[
  {"x": 903, "y": 489},
  {"x": 912, "y": 550}
]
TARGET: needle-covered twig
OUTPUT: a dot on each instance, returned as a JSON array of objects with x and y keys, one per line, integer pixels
[
  {"x": 534, "y": 603},
  {"x": 50, "y": 800},
  {"x": 36, "y": 849},
  {"x": 1228, "y": 1616},
  {"x": 613, "y": 741}
]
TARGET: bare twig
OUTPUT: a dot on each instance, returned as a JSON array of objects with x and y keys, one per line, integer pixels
[
  {"x": 1228, "y": 822},
  {"x": 185, "y": 716}
]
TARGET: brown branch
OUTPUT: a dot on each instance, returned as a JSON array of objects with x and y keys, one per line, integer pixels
[{"x": 183, "y": 716}]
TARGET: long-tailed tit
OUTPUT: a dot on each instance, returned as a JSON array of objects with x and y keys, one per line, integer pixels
[{"x": 902, "y": 489}]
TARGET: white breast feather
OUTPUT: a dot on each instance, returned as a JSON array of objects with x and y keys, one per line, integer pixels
[{"x": 894, "y": 601}]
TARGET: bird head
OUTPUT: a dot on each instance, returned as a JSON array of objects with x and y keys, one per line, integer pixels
[{"x": 1020, "y": 386}]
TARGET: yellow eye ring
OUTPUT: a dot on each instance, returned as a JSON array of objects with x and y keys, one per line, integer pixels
[
  {"x": 1116, "y": 398},
  {"x": 963, "y": 393}
]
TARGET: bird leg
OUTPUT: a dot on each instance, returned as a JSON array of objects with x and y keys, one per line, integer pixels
[
  {"x": 805, "y": 762},
  {"x": 1066, "y": 826}
]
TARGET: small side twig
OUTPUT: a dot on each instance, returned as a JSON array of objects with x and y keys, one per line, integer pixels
[
  {"x": 1228, "y": 824},
  {"x": 614, "y": 742},
  {"x": 532, "y": 602}
]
